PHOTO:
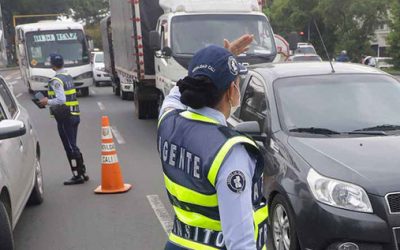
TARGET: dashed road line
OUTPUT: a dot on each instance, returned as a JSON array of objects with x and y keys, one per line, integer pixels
[
  {"x": 117, "y": 135},
  {"x": 92, "y": 91},
  {"x": 101, "y": 106},
  {"x": 19, "y": 95},
  {"x": 161, "y": 213}
]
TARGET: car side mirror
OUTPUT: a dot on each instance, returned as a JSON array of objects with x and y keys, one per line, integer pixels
[
  {"x": 11, "y": 129},
  {"x": 253, "y": 130},
  {"x": 167, "y": 52},
  {"x": 155, "y": 40}
]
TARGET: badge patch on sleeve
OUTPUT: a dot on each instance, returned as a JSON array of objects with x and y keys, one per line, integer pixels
[
  {"x": 236, "y": 181},
  {"x": 57, "y": 85}
]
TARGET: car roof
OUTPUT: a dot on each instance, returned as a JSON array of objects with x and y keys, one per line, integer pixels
[{"x": 273, "y": 71}]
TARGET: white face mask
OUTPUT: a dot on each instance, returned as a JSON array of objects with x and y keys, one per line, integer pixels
[{"x": 234, "y": 108}]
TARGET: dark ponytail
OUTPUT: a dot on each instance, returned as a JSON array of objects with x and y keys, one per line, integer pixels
[{"x": 199, "y": 92}]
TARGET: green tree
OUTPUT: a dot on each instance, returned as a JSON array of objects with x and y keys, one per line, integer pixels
[
  {"x": 394, "y": 35},
  {"x": 344, "y": 24},
  {"x": 89, "y": 11}
]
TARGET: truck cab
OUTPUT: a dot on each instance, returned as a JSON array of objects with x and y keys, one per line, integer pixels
[{"x": 187, "y": 27}]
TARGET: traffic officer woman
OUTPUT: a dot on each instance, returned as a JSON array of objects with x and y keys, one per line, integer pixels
[
  {"x": 64, "y": 106},
  {"x": 213, "y": 174}
]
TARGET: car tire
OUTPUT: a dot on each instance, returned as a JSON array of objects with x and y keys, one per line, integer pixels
[
  {"x": 36, "y": 197},
  {"x": 283, "y": 225},
  {"x": 6, "y": 235}
]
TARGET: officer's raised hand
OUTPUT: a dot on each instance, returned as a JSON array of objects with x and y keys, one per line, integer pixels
[{"x": 240, "y": 45}]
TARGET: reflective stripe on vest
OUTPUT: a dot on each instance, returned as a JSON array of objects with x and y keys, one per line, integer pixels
[
  {"x": 69, "y": 91},
  {"x": 189, "y": 205}
]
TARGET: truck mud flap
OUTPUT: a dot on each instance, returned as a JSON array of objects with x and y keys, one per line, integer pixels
[{"x": 146, "y": 102}]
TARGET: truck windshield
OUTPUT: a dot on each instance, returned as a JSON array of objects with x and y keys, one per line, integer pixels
[
  {"x": 71, "y": 44},
  {"x": 194, "y": 32}
]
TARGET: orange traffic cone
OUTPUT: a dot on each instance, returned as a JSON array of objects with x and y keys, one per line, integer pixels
[{"x": 111, "y": 176}]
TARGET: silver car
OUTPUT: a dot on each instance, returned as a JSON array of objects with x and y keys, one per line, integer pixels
[{"x": 20, "y": 170}]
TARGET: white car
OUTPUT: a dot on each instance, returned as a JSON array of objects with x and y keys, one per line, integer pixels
[
  {"x": 99, "y": 73},
  {"x": 20, "y": 169}
]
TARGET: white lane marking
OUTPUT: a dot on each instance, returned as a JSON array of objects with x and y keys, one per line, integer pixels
[
  {"x": 92, "y": 92},
  {"x": 19, "y": 95},
  {"x": 161, "y": 213},
  {"x": 12, "y": 75},
  {"x": 12, "y": 82},
  {"x": 117, "y": 135},
  {"x": 101, "y": 106}
]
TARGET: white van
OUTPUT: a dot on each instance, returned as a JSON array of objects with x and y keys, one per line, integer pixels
[{"x": 36, "y": 41}]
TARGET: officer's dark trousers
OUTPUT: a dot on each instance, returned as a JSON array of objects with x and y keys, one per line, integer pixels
[
  {"x": 68, "y": 131},
  {"x": 171, "y": 246}
]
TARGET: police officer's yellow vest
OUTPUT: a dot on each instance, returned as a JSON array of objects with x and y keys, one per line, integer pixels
[
  {"x": 191, "y": 192},
  {"x": 69, "y": 90}
]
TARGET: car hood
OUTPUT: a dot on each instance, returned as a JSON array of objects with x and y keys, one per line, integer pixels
[{"x": 370, "y": 162}]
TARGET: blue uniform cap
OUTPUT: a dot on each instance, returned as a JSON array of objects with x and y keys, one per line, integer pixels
[
  {"x": 56, "y": 60},
  {"x": 218, "y": 64}
]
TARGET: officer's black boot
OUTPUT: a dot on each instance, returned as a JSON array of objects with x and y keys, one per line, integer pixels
[
  {"x": 81, "y": 167},
  {"x": 76, "y": 177}
]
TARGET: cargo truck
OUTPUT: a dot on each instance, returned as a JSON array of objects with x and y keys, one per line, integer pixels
[{"x": 153, "y": 42}]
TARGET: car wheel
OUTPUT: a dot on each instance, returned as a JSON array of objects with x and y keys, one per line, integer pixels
[
  {"x": 6, "y": 235},
  {"x": 36, "y": 197},
  {"x": 283, "y": 231}
]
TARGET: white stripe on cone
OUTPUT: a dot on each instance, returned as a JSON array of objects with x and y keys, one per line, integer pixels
[
  {"x": 108, "y": 147},
  {"x": 109, "y": 159}
]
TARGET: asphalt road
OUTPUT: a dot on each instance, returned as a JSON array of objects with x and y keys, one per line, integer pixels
[{"x": 73, "y": 217}]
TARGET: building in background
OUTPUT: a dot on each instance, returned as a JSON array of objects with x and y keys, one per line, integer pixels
[{"x": 379, "y": 43}]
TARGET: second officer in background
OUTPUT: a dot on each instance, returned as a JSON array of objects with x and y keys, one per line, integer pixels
[{"x": 64, "y": 106}]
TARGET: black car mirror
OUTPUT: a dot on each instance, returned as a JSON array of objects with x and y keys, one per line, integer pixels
[
  {"x": 167, "y": 52},
  {"x": 252, "y": 129},
  {"x": 11, "y": 129},
  {"x": 155, "y": 40}
]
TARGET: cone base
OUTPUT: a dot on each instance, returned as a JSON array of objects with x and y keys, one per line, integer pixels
[{"x": 124, "y": 189}]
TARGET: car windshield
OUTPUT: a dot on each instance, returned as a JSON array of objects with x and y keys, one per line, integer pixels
[
  {"x": 99, "y": 58},
  {"x": 306, "y": 59},
  {"x": 194, "y": 32},
  {"x": 71, "y": 44},
  {"x": 341, "y": 103}
]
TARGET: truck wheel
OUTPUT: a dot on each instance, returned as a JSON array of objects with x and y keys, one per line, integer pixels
[
  {"x": 36, "y": 197},
  {"x": 141, "y": 109},
  {"x": 84, "y": 91},
  {"x": 124, "y": 95},
  {"x": 284, "y": 236},
  {"x": 6, "y": 235},
  {"x": 160, "y": 101},
  {"x": 116, "y": 90}
]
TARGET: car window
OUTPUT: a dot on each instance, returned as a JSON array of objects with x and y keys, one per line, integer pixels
[
  {"x": 11, "y": 106},
  {"x": 254, "y": 105}
]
